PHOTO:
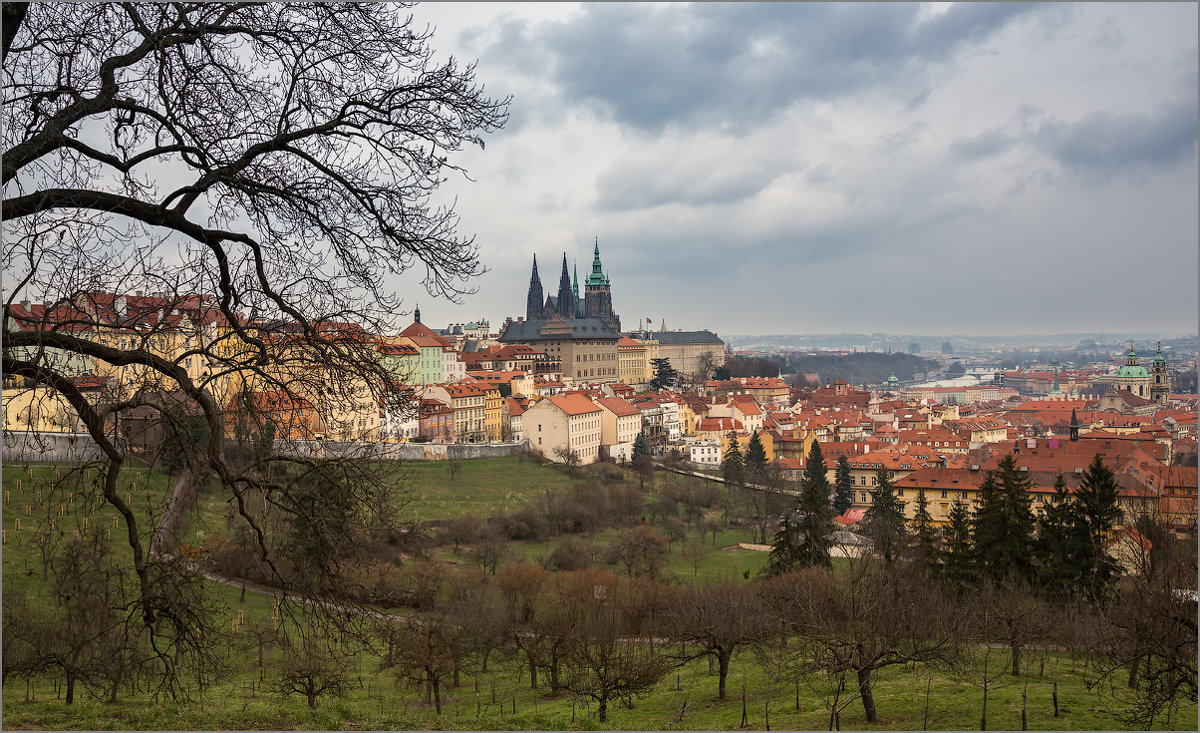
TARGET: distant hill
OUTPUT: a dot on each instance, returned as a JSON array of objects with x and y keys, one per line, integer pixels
[{"x": 866, "y": 367}]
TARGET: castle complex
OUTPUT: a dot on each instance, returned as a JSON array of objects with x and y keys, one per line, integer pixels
[{"x": 596, "y": 302}]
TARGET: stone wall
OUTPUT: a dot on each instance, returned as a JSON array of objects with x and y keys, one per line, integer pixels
[
  {"x": 52, "y": 447},
  {"x": 79, "y": 447},
  {"x": 402, "y": 451}
]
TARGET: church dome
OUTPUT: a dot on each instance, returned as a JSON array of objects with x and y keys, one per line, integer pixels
[{"x": 1133, "y": 372}]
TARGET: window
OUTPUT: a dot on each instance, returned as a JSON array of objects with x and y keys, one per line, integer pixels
[
  {"x": 944, "y": 495},
  {"x": 863, "y": 497}
]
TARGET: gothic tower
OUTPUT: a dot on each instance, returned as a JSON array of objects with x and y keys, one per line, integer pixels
[
  {"x": 1160, "y": 385},
  {"x": 533, "y": 301},
  {"x": 566, "y": 301},
  {"x": 597, "y": 298}
]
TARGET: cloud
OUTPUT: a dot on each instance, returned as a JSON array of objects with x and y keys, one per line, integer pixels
[
  {"x": 731, "y": 65},
  {"x": 1101, "y": 144}
]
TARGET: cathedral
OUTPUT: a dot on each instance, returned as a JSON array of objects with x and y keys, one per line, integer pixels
[{"x": 596, "y": 301}]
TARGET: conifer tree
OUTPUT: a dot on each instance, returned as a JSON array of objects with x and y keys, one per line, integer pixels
[
  {"x": 732, "y": 465},
  {"x": 643, "y": 457},
  {"x": 924, "y": 534},
  {"x": 1098, "y": 512},
  {"x": 1060, "y": 549},
  {"x": 1004, "y": 524},
  {"x": 755, "y": 459},
  {"x": 885, "y": 517},
  {"x": 814, "y": 535},
  {"x": 664, "y": 374},
  {"x": 843, "y": 482},
  {"x": 959, "y": 566}
]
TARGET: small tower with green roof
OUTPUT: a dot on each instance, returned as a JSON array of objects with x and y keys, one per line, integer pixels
[
  {"x": 597, "y": 296},
  {"x": 1160, "y": 383}
]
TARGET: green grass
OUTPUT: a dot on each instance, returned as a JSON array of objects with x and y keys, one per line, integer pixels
[{"x": 482, "y": 488}]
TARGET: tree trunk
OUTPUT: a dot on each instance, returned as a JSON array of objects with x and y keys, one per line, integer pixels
[
  {"x": 983, "y": 717},
  {"x": 1016, "y": 658},
  {"x": 70, "y": 688},
  {"x": 603, "y": 707},
  {"x": 532, "y": 674},
  {"x": 1056, "y": 698},
  {"x": 1133, "y": 672},
  {"x": 437, "y": 695},
  {"x": 723, "y": 658},
  {"x": 864, "y": 691}
]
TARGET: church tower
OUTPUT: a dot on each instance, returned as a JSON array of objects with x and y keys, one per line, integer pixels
[
  {"x": 566, "y": 301},
  {"x": 534, "y": 300},
  {"x": 597, "y": 298},
  {"x": 1160, "y": 384}
]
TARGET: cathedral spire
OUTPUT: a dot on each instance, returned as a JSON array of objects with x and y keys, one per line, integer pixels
[
  {"x": 534, "y": 300},
  {"x": 597, "y": 277},
  {"x": 566, "y": 302}
]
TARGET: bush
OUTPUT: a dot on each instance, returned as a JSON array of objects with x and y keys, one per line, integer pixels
[{"x": 570, "y": 555}]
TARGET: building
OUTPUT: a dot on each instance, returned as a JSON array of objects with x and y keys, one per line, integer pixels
[
  {"x": 1150, "y": 384},
  {"x": 564, "y": 426},
  {"x": 692, "y": 353},
  {"x": 620, "y": 423},
  {"x": 596, "y": 303}
]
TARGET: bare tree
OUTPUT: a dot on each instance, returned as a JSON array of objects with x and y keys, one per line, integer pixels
[
  {"x": 256, "y": 171},
  {"x": 317, "y": 657},
  {"x": 715, "y": 621},
  {"x": 603, "y": 664}
]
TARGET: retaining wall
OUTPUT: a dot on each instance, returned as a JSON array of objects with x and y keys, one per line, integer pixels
[
  {"x": 20, "y": 445},
  {"x": 401, "y": 451}
]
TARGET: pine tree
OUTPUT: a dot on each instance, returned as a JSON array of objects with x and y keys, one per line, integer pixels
[
  {"x": 959, "y": 566},
  {"x": 755, "y": 459},
  {"x": 924, "y": 534},
  {"x": 843, "y": 482},
  {"x": 643, "y": 457},
  {"x": 664, "y": 374},
  {"x": 732, "y": 466},
  {"x": 1098, "y": 512},
  {"x": 814, "y": 534},
  {"x": 1004, "y": 524},
  {"x": 885, "y": 517}
]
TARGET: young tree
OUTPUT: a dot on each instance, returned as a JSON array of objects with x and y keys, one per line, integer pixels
[
  {"x": 665, "y": 375},
  {"x": 755, "y": 460},
  {"x": 733, "y": 467},
  {"x": 843, "y": 497},
  {"x": 258, "y": 169},
  {"x": 643, "y": 458},
  {"x": 885, "y": 517}
]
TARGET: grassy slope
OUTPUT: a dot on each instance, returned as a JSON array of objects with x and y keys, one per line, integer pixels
[{"x": 481, "y": 488}]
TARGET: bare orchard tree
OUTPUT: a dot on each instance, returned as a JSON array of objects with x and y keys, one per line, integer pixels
[
  {"x": 256, "y": 173},
  {"x": 715, "y": 621}
]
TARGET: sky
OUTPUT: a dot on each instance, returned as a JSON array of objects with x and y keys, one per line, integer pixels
[{"x": 983, "y": 169}]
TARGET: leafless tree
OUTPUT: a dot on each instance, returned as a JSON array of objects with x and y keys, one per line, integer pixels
[
  {"x": 715, "y": 621},
  {"x": 604, "y": 664},
  {"x": 639, "y": 550},
  {"x": 316, "y": 656},
  {"x": 259, "y": 172}
]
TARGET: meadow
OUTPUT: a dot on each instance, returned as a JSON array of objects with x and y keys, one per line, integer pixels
[{"x": 908, "y": 698}]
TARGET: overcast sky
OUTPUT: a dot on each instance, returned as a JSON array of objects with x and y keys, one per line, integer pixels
[{"x": 813, "y": 168}]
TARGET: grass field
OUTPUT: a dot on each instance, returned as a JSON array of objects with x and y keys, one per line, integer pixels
[{"x": 500, "y": 699}]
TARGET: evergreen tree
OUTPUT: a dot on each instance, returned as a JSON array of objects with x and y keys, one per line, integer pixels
[
  {"x": 785, "y": 546},
  {"x": 843, "y": 482},
  {"x": 664, "y": 374},
  {"x": 924, "y": 534},
  {"x": 643, "y": 457},
  {"x": 959, "y": 566},
  {"x": 815, "y": 531},
  {"x": 1004, "y": 524},
  {"x": 732, "y": 466},
  {"x": 1098, "y": 512},
  {"x": 721, "y": 374},
  {"x": 1062, "y": 548},
  {"x": 755, "y": 459},
  {"x": 885, "y": 517}
]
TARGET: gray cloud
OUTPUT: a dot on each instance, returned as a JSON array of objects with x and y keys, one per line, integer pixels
[
  {"x": 733, "y": 64},
  {"x": 1101, "y": 143}
]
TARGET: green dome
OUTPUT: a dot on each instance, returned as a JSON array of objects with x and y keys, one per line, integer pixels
[{"x": 1133, "y": 372}]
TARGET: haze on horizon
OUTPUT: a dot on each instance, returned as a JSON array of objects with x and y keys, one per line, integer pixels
[{"x": 770, "y": 168}]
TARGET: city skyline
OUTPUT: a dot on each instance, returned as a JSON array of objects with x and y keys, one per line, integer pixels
[{"x": 813, "y": 168}]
